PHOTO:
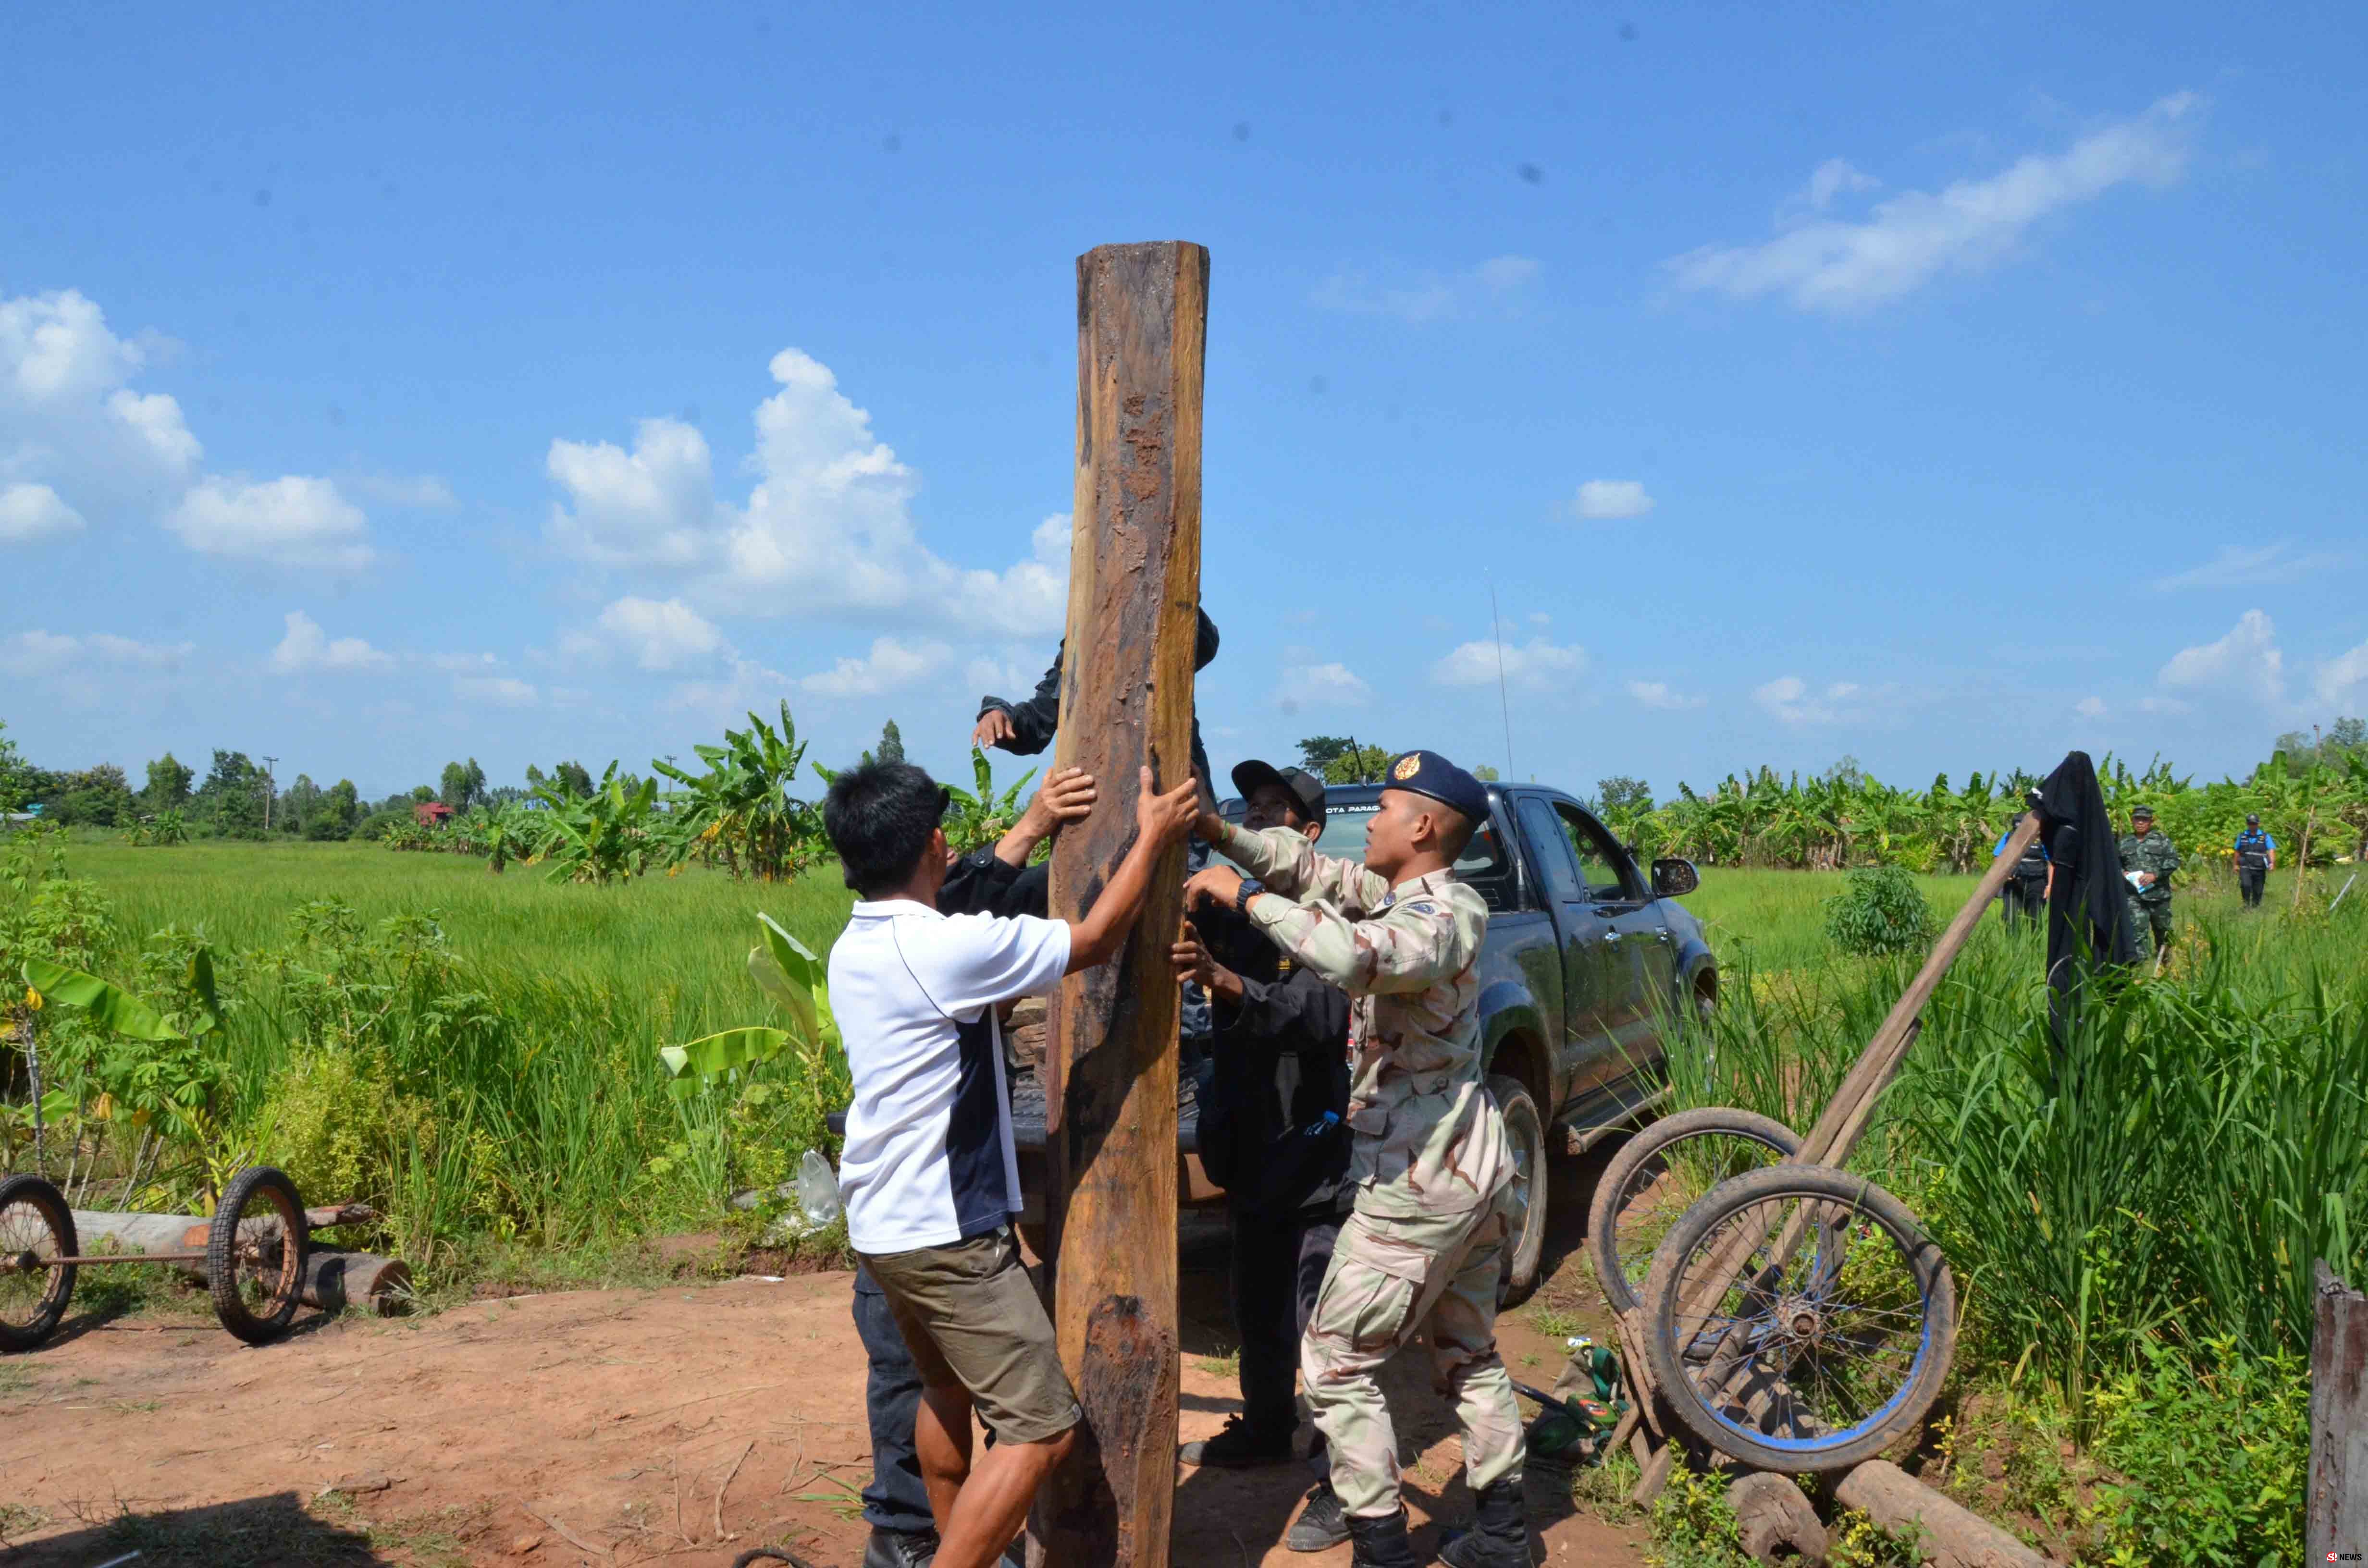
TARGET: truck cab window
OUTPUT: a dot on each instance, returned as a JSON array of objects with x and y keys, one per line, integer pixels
[{"x": 1598, "y": 862}]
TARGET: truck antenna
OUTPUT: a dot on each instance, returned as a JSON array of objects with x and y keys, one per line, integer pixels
[{"x": 1503, "y": 703}]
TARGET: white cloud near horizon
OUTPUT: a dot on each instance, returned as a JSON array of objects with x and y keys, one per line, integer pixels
[
  {"x": 1534, "y": 665},
  {"x": 827, "y": 529},
  {"x": 72, "y": 425},
  {"x": 1426, "y": 297},
  {"x": 499, "y": 691},
  {"x": 661, "y": 634},
  {"x": 1657, "y": 694},
  {"x": 45, "y": 652},
  {"x": 306, "y": 649},
  {"x": 1839, "y": 266},
  {"x": 1332, "y": 684},
  {"x": 290, "y": 521},
  {"x": 1606, "y": 499},
  {"x": 2249, "y": 566},
  {"x": 28, "y": 512},
  {"x": 891, "y": 665},
  {"x": 1790, "y": 699},
  {"x": 422, "y": 491},
  {"x": 2247, "y": 663},
  {"x": 2343, "y": 679}
]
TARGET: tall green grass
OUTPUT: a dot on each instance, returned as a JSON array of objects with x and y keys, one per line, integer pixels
[{"x": 2167, "y": 1177}]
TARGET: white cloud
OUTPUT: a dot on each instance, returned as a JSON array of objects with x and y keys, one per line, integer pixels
[
  {"x": 1606, "y": 498},
  {"x": 2238, "y": 566},
  {"x": 1426, "y": 297},
  {"x": 1537, "y": 664},
  {"x": 2247, "y": 662},
  {"x": 500, "y": 691},
  {"x": 422, "y": 491},
  {"x": 44, "y": 653},
  {"x": 459, "y": 664},
  {"x": 290, "y": 521},
  {"x": 306, "y": 648},
  {"x": 662, "y": 634},
  {"x": 1788, "y": 698},
  {"x": 1657, "y": 694},
  {"x": 2342, "y": 678},
  {"x": 1001, "y": 677},
  {"x": 1333, "y": 684},
  {"x": 1839, "y": 265},
  {"x": 2090, "y": 707},
  {"x": 827, "y": 529},
  {"x": 68, "y": 416},
  {"x": 28, "y": 512},
  {"x": 1832, "y": 177},
  {"x": 890, "y": 666}
]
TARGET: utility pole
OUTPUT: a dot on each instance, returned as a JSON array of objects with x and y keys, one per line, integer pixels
[
  {"x": 1111, "y": 1068},
  {"x": 270, "y": 788}
]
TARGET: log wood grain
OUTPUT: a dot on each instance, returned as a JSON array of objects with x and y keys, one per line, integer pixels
[{"x": 1111, "y": 1064}]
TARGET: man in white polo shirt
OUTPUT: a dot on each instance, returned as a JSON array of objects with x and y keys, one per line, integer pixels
[{"x": 928, "y": 1174}]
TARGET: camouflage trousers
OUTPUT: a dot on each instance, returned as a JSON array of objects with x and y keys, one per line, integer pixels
[
  {"x": 1390, "y": 1278},
  {"x": 2151, "y": 923}
]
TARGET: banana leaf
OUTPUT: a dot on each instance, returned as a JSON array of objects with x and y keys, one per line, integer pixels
[
  {"x": 110, "y": 1007},
  {"x": 711, "y": 1056},
  {"x": 786, "y": 969}
]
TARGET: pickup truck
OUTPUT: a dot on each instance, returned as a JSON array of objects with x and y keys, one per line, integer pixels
[{"x": 1586, "y": 962}]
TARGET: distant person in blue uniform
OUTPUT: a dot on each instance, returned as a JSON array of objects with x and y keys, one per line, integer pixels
[{"x": 2256, "y": 857}]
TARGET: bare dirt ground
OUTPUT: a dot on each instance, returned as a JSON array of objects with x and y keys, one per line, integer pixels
[{"x": 683, "y": 1424}]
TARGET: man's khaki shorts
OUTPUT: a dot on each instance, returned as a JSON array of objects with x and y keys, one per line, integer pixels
[{"x": 972, "y": 1318}]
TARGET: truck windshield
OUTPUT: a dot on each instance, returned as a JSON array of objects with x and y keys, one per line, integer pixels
[{"x": 1344, "y": 838}]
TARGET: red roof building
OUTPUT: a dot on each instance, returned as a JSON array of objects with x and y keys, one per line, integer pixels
[{"x": 432, "y": 814}]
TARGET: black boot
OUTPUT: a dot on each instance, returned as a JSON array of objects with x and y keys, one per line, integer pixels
[
  {"x": 1320, "y": 1525},
  {"x": 1499, "y": 1536},
  {"x": 899, "y": 1549},
  {"x": 1380, "y": 1542}
]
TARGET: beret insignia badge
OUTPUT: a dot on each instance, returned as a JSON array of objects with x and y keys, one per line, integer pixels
[{"x": 1406, "y": 768}]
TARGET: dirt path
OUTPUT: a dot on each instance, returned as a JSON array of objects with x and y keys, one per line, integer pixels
[{"x": 605, "y": 1426}]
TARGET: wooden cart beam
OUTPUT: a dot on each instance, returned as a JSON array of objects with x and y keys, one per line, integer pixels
[{"x": 1110, "y": 1067}]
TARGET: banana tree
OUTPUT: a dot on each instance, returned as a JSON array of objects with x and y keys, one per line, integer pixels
[
  {"x": 604, "y": 836},
  {"x": 982, "y": 817},
  {"x": 740, "y": 811},
  {"x": 793, "y": 979}
]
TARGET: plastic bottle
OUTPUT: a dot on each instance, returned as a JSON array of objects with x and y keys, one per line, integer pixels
[{"x": 817, "y": 1190}]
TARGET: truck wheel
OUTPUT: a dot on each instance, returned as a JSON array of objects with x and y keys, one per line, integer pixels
[{"x": 1525, "y": 1129}]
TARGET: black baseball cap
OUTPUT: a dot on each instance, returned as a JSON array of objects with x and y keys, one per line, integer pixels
[
  {"x": 2252, "y": 819},
  {"x": 1304, "y": 786}
]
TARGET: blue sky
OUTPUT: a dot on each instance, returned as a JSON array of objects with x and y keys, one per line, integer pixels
[{"x": 1945, "y": 385}]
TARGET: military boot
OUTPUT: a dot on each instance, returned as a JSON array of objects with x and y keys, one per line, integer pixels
[
  {"x": 899, "y": 1549},
  {"x": 1499, "y": 1536},
  {"x": 1380, "y": 1542}
]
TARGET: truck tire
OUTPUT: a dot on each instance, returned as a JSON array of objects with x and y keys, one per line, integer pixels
[
  {"x": 1525, "y": 1131},
  {"x": 1734, "y": 1140}
]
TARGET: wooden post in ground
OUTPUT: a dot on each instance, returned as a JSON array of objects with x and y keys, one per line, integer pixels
[
  {"x": 2335, "y": 1507},
  {"x": 1109, "y": 1057}
]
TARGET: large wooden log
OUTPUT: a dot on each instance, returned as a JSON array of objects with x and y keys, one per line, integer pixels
[
  {"x": 1111, "y": 1067},
  {"x": 1952, "y": 1537},
  {"x": 2336, "y": 1503},
  {"x": 1775, "y": 1519}
]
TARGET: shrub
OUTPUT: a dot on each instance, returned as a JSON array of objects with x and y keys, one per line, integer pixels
[
  {"x": 1881, "y": 911},
  {"x": 379, "y": 824}
]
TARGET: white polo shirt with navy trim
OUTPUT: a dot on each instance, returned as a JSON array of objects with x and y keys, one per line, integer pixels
[{"x": 928, "y": 1160}]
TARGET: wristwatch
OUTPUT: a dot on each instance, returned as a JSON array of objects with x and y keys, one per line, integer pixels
[{"x": 1251, "y": 887}]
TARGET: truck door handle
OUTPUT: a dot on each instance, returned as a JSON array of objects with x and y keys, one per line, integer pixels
[
  {"x": 1661, "y": 934},
  {"x": 1612, "y": 938}
]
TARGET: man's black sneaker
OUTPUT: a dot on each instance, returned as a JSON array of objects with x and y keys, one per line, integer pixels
[
  {"x": 899, "y": 1549},
  {"x": 1500, "y": 1537},
  {"x": 1240, "y": 1446},
  {"x": 1320, "y": 1525},
  {"x": 1381, "y": 1543}
]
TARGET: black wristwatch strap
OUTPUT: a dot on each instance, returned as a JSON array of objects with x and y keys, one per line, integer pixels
[{"x": 1251, "y": 887}]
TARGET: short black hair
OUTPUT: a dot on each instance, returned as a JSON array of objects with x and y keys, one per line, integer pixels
[{"x": 879, "y": 817}]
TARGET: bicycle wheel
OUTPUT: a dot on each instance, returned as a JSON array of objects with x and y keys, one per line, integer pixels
[
  {"x": 254, "y": 1255},
  {"x": 1830, "y": 1340},
  {"x": 36, "y": 1227},
  {"x": 1659, "y": 1174}
]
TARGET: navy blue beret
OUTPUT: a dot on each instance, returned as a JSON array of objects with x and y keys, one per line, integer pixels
[{"x": 1428, "y": 773}]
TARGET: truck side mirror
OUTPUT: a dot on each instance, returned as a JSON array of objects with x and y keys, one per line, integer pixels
[{"x": 1674, "y": 878}]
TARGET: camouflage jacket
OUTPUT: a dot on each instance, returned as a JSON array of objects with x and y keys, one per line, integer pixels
[
  {"x": 2154, "y": 853},
  {"x": 1427, "y": 1139}
]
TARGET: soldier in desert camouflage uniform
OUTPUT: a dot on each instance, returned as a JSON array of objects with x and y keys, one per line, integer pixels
[
  {"x": 2147, "y": 850},
  {"x": 1428, "y": 1158}
]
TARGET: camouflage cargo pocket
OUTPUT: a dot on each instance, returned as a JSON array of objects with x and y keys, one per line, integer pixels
[{"x": 1375, "y": 1280}]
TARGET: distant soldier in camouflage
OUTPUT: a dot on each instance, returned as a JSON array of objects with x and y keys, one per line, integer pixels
[
  {"x": 1428, "y": 1158},
  {"x": 2151, "y": 857}
]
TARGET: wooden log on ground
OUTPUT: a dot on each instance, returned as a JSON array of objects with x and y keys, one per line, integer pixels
[
  {"x": 2335, "y": 1509},
  {"x": 1776, "y": 1519},
  {"x": 360, "y": 1281},
  {"x": 1953, "y": 1537},
  {"x": 1110, "y": 1067}
]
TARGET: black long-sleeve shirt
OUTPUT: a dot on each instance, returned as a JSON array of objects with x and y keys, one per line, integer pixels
[
  {"x": 1034, "y": 721},
  {"x": 1271, "y": 1133}
]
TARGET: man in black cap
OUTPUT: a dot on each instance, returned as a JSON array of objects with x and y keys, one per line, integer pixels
[
  {"x": 2256, "y": 857},
  {"x": 1428, "y": 1160},
  {"x": 1273, "y": 1134}
]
